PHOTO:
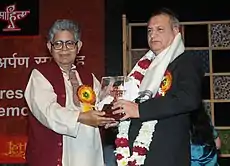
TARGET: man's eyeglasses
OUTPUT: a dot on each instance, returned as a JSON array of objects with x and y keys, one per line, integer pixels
[{"x": 69, "y": 44}]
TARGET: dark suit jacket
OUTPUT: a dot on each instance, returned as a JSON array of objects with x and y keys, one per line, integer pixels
[{"x": 171, "y": 140}]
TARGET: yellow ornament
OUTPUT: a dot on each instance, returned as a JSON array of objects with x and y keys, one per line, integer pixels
[
  {"x": 86, "y": 94},
  {"x": 87, "y": 107},
  {"x": 166, "y": 82},
  {"x": 87, "y": 97}
]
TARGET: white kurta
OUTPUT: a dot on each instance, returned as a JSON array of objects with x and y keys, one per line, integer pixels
[{"x": 81, "y": 143}]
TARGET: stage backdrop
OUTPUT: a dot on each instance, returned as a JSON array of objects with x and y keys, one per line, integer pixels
[{"x": 24, "y": 25}]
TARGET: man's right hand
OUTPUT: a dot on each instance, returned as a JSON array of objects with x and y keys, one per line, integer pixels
[
  {"x": 112, "y": 124},
  {"x": 94, "y": 118}
]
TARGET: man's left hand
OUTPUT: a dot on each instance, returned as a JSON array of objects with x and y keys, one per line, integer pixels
[{"x": 129, "y": 108}]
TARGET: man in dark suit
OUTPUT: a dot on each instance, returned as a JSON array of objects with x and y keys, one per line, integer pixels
[{"x": 155, "y": 128}]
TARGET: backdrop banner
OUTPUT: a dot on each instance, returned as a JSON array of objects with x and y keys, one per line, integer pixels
[
  {"x": 19, "y": 17},
  {"x": 23, "y": 43}
]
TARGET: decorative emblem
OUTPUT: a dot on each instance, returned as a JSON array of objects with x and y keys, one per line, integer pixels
[
  {"x": 11, "y": 15},
  {"x": 87, "y": 97},
  {"x": 165, "y": 84}
]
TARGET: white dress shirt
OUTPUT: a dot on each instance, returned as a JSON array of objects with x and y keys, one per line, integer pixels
[{"x": 81, "y": 143}]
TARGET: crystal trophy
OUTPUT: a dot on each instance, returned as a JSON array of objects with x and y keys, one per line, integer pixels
[{"x": 112, "y": 87}]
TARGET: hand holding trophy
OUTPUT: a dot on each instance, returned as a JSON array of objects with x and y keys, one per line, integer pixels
[
  {"x": 89, "y": 114},
  {"x": 112, "y": 89}
]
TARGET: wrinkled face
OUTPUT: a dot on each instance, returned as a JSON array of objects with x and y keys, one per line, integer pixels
[
  {"x": 64, "y": 48},
  {"x": 161, "y": 33}
]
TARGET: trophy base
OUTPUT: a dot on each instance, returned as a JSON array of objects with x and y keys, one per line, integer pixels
[{"x": 109, "y": 112}]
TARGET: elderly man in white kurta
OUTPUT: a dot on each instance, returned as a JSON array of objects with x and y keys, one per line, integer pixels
[{"x": 60, "y": 133}]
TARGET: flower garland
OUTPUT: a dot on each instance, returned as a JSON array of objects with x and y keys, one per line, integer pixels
[
  {"x": 140, "y": 146},
  {"x": 140, "y": 70},
  {"x": 144, "y": 138}
]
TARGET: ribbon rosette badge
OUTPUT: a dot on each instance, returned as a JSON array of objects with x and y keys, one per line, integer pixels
[{"x": 87, "y": 97}]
